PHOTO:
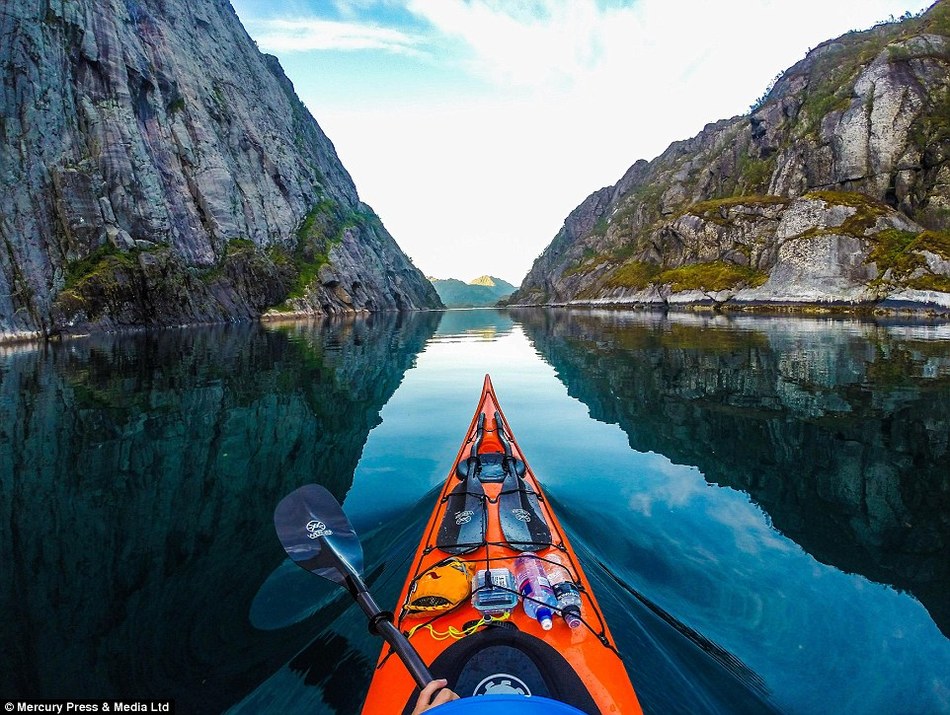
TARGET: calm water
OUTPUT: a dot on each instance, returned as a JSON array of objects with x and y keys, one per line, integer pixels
[{"x": 763, "y": 504}]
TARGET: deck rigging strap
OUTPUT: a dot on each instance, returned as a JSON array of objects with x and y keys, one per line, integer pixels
[
  {"x": 502, "y": 435},
  {"x": 457, "y": 633}
]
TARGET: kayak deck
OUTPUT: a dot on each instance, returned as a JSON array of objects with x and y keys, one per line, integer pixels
[{"x": 490, "y": 510}]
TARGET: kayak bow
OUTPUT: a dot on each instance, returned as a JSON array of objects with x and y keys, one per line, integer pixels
[{"x": 490, "y": 511}]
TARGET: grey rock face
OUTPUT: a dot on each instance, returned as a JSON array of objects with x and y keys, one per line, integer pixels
[
  {"x": 870, "y": 141},
  {"x": 865, "y": 114},
  {"x": 144, "y": 132}
]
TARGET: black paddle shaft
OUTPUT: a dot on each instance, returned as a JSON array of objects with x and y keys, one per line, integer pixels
[
  {"x": 318, "y": 537},
  {"x": 380, "y": 621}
]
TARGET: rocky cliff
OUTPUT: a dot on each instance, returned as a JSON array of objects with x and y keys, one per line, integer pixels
[
  {"x": 834, "y": 189},
  {"x": 156, "y": 168}
]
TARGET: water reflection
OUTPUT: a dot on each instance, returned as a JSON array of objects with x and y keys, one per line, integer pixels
[
  {"x": 482, "y": 324},
  {"x": 839, "y": 430},
  {"x": 138, "y": 476},
  {"x": 332, "y": 672}
]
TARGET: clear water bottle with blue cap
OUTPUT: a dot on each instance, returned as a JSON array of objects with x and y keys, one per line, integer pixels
[
  {"x": 565, "y": 590},
  {"x": 537, "y": 595}
]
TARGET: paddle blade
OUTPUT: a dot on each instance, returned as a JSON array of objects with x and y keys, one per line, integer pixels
[
  {"x": 519, "y": 513},
  {"x": 465, "y": 522},
  {"x": 302, "y": 518}
]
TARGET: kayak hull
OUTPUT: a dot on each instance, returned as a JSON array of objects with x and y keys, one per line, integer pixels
[{"x": 579, "y": 666}]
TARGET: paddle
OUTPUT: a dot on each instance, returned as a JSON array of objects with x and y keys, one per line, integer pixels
[{"x": 318, "y": 537}]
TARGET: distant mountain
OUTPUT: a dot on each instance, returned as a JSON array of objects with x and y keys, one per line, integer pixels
[{"x": 479, "y": 292}]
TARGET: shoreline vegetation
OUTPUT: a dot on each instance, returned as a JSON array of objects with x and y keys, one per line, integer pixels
[{"x": 918, "y": 310}]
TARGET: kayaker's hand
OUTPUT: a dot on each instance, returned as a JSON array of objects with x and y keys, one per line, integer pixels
[{"x": 426, "y": 700}]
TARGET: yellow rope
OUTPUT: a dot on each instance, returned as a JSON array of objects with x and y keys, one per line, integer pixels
[{"x": 454, "y": 632}]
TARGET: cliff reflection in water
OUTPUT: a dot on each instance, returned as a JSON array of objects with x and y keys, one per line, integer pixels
[
  {"x": 839, "y": 430},
  {"x": 138, "y": 476}
]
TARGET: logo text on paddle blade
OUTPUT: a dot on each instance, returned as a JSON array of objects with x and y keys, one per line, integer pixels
[{"x": 316, "y": 529}]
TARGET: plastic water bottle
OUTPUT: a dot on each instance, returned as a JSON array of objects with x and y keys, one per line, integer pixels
[
  {"x": 565, "y": 590},
  {"x": 538, "y": 597}
]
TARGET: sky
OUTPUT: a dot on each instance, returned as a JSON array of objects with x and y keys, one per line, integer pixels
[{"x": 474, "y": 127}]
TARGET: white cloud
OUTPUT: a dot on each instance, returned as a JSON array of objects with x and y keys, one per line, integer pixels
[
  {"x": 305, "y": 34},
  {"x": 650, "y": 45},
  {"x": 548, "y": 42},
  {"x": 477, "y": 177}
]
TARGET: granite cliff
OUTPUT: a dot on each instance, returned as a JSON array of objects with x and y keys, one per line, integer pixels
[
  {"x": 157, "y": 168},
  {"x": 834, "y": 189}
]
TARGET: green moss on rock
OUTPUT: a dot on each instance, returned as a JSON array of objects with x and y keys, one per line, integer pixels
[
  {"x": 937, "y": 20},
  {"x": 936, "y": 242},
  {"x": 102, "y": 262},
  {"x": 893, "y": 251},
  {"x": 897, "y": 254},
  {"x": 754, "y": 174},
  {"x": 600, "y": 227},
  {"x": 319, "y": 231},
  {"x": 100, "y": 282},
  {"x": 930, "y": 281},
  {"x": 712, "y": 276},
  {"x": 634, "y": 274},
  {"x": 240, "y": 247},
  {"x": 834, "y": 74},
  {"x": 867, "y": 211},
  {"x": 704, "y": 208}
]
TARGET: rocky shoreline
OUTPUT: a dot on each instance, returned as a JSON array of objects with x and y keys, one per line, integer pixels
[
  {"x": 910, "y": 309},
  {"x": 9, "y": 338}
]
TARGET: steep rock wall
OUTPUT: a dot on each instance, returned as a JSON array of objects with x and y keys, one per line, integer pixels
[
  {"x": 158, "y": 169},
  {"x": 864, "y": 114}
]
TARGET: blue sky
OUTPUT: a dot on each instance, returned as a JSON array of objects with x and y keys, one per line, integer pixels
[{"x": 473, "y": 127}]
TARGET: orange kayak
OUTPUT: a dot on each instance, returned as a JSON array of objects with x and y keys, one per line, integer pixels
[{"x": 492, "y": 522}]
